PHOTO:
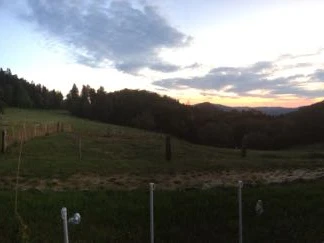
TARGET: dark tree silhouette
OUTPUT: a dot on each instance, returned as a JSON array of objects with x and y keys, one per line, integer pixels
[
  {"x": 203, "y": 123},
  {"x": 18, "y": 92}
]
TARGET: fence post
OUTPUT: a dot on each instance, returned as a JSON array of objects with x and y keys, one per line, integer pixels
[
  {"x": 152, "y": 212},
  {"x": 240, "y": 186},
  {"x": 4, "y": 141},
  {"x": 80, "y": 147},
  {"x": 25, "y": 133},
  {"x": 65, "y": 225},
  {"x": 168, "y": 148},
  {"x": 46, "y": 130},
  {"x": 13, "y": 132}
]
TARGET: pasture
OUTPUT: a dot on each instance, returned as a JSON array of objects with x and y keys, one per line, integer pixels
[{"x": 103, "y": 171}]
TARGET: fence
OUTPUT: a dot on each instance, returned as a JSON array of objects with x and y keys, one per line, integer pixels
[
  {"x": 14, "y": 134},
  {"x": 76, "y": 219}
]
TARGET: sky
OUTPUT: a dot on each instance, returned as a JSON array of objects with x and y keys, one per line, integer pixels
[{"x": 230, "y": 52}]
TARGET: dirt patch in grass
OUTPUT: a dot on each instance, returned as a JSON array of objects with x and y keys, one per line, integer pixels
[{"x": 174, "y": 181}]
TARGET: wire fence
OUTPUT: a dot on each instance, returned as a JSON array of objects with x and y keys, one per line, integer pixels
[
  {"x": 76, "y": 219},
  {"x": 12, "y": 135}
]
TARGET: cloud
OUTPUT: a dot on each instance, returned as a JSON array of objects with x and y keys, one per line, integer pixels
[
  {"x": 319, "y": 75},
  {"x": 261, "y": 66},
  {"x": 129, "y": 37},
  {"x": 310, "y": 54},
  {"x": 255, "y": 80},
  {"x": 164, "y": 67},
  {"x": 193, "y": 66},
  {"x": 240, "y": 79},
  {"x": 302, "y": 65}
]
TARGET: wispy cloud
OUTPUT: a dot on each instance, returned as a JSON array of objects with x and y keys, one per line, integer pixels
[
  {"x": 129, "y": 38},
  {"x": 291, "y": 56},
  {"x": 262, "y": 79}
]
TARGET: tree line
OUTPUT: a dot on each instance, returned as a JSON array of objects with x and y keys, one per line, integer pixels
[
  {"x": 202, "y": 124},
  {"x": 17, "y": 92}
]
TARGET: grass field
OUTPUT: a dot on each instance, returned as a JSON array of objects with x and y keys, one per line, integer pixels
[
  {"x": 195, "y": 197},
  {"x": 293, "y": 213}
]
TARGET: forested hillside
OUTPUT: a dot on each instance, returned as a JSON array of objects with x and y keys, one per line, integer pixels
[
  {"x": 17, "y": 92},
  {"x": 308, "y": 124},
  {"x": 203, "y": 124}
]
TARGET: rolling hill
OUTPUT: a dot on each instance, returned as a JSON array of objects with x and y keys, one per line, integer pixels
[{"x": 273, "y": 111}]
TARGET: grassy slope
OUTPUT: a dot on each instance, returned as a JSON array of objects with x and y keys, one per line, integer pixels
[
  {"x": 109, "y": 149},
  {"x": 293, "y": 212}
]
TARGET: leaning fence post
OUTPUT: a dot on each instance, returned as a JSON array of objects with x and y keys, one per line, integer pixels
[
  {"x": 65, "y": 225},
  {"x": 240, "y": 186},
  {"x": 4, "y": 141},
  {"x": 152, "y": 212}
]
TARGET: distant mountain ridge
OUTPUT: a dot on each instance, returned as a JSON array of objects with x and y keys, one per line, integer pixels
[{"x": 268, "y": 110}]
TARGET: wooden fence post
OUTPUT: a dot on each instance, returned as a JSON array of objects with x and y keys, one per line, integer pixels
[
  {"x": 244, "y": 147},
  {"x": 24, "y": 133},
  {"x": 4, "y": 141},
  {"x": 168, "y": 148},
  {"x": 46, "y": 130},
  {"x": 80, "y": 147}
]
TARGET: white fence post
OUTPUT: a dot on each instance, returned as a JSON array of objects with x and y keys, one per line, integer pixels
[
  {"x": 240, "y": 186},
  {"x": 152, "y": 212},
  {"x": 65, "y": 225}
]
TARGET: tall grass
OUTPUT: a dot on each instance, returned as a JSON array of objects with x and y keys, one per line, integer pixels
[{"x": 180, "y": 216}]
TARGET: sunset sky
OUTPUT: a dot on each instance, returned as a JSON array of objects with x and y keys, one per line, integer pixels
[{"x": 230, "y": 52}]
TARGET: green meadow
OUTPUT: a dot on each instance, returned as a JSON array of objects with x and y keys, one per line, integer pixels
[{"x": 102, "y": 171}]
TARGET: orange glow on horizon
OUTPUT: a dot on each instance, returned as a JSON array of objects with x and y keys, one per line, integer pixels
[{"x": 289, "y": 102}]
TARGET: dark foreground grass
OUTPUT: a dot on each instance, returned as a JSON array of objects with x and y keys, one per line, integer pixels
[{"x": 293, "y": 213}]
